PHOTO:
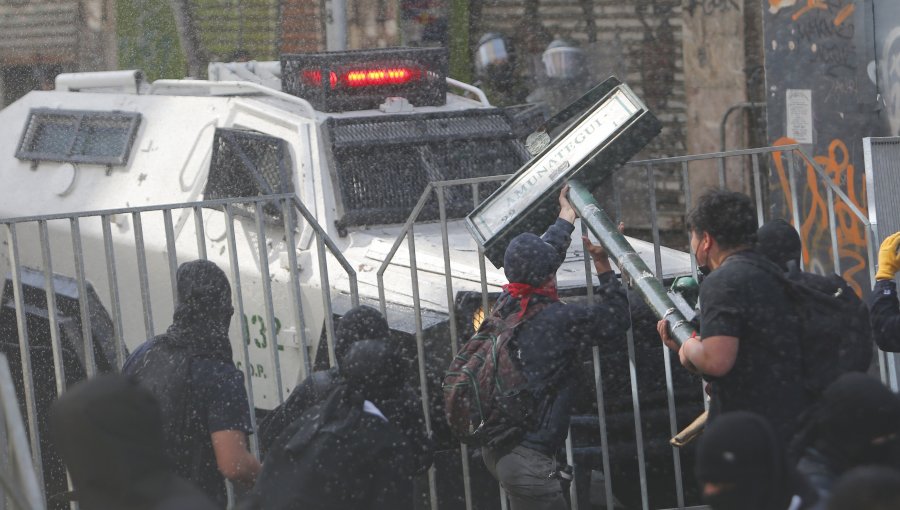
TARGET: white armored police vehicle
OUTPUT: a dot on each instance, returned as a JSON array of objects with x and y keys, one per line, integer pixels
[{"x": 108, "y": 183}]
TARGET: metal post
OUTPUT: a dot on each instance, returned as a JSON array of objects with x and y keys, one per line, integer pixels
[
  {"x": 24, "y": 353},
  {"x": 55, "y": 345},
  {"x": 114, "y": 298},
  {"x": 171, "y": 253},
  {"x": 420, "y": 353},
  {"x": 90, "y": 364},
  {"x": 629, "y": 262},
  {"x": 670, "y": 391},
  {"x": 142, "y": 273},
  {"x": 296, "y": 295},
  {"x": 245, "y": 329}
]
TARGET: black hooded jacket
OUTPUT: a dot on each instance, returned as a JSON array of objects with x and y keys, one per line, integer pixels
[
  {"x": 343, "y": 453},
  {"x": 403, "y": 406},
  {"x": 741, "y": 452},
  {"x": 839, "y": 430},
  {"x": 190, "y": 371},
  {"x": 109, "y": 432}
]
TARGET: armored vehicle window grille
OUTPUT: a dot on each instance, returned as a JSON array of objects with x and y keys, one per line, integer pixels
[
  {"x": 383, "y": 166},
  {"x": 78, "y": 136},
  {"x": 246, "y": 164}
]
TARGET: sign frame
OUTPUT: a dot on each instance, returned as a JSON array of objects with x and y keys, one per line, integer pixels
[{"x": 530, "y": 195}]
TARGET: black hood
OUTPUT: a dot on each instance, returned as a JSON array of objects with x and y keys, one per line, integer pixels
[
  {"x": 779, "y": 242},
  {"x": 203, "y": 312},
  {"x": 359, "y": 323},
  {"x": 109, "y": 433},
  {"x": 852, "y": 412},
  {"x": 740, "y": 448}
]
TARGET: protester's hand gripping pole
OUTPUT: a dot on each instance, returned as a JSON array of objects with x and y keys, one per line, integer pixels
[{"x": 629, "y": 262}]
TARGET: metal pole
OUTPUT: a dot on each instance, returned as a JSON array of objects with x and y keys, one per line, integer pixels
[{"x": 630, "y": 263}]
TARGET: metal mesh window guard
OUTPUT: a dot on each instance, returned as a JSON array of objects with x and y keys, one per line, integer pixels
[
  {"x": 78, "y": 136},
  {"x": 248, "y": 164},
  {"x": 382, "y": 165}
]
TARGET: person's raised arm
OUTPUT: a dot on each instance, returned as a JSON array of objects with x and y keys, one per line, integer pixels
[{"x": 559, "y": 234}]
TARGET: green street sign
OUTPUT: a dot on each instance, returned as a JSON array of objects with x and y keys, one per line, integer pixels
[{"x": 608, "y": 134}]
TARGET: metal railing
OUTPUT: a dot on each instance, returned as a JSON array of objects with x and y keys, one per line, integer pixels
[
  {"x": 91, "y": 246},
  {"x": 760, "y": 165},
  {"x": 140, "y": 248}
]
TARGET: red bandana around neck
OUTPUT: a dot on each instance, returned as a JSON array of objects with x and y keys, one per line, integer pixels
[{"x": 524, "y": 292}]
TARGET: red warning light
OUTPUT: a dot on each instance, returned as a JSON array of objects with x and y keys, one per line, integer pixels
[
  {"x": 314, "y": 78},
  {"x": 376, "y": 77},
  {"x": 364, "y": 77}
]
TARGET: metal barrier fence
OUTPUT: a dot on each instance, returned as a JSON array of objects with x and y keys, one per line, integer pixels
[
  {"x": 78, "y": 322},
  {"x": 58, "y": 329}
]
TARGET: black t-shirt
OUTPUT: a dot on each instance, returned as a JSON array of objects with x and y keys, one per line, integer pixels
[
  {"x": 218, "y": 402},
  {"x": 746, "y": 302}
]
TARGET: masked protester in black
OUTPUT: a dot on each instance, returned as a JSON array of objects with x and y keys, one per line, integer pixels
[
  {"x": 189, "y": 369},
  {"x": 741, "y": 465},
  {"x": 779, "y": 242},
  {"x": 855, "y": 423},
  {"x": 342, "y": 453},
  {"x": 109, "y": 433},
  {"x": 402, "y": 407}
]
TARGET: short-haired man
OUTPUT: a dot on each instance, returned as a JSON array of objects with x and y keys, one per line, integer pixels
[
  {"x": 749, "y": 344},
  {"x": 189, "y": 369}
]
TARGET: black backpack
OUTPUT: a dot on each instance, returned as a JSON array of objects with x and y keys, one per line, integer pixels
[{"x": 836, "y": 336}]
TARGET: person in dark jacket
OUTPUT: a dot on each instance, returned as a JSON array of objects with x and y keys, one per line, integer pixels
[
  {"x": 779, "y": 242},
  {"x": 205, "y": 410},
  {"x": 855, "y": 423},
  {"x": 548, "y": 345},
  {"x": 109, "y": 433},
  {"x": 343, "y": 453},
  {"x": 360, "y": 323},
  {"x": 741, "y": 465},
  {"x": 884, "y": 309},
  {"x": 403, "y": 406}
]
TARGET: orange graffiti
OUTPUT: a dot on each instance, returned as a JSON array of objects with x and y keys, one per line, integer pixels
[
  {"x": 843, "y": 14},
  {"x": 814, "y": 229},
  {"x": 810, "y": 5}
]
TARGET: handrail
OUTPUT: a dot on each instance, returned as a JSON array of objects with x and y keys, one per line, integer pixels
[
  {"x": 470, "y": 88},
  {"x": 238, "y": 86},
  {"x": 149, "y": 208}
]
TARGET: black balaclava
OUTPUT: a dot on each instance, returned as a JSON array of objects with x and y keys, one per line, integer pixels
[
  {"x": 779, "y": 242},
  {"x": 108, "y": 431},
  {"x": 359, "y": 323},
  {"x": 203, "y": 312},
  {"x": 740, "y": 448},
  {"x": 852, "y": 412}
]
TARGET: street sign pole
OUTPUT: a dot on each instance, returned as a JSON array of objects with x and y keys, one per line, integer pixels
[{"x": 629, "y": 262}]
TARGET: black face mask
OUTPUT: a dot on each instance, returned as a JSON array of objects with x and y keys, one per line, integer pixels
[{"x": 703, "y": 270}]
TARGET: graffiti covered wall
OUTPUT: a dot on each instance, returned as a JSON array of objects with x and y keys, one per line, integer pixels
[{"x": 821, "y": 93}]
